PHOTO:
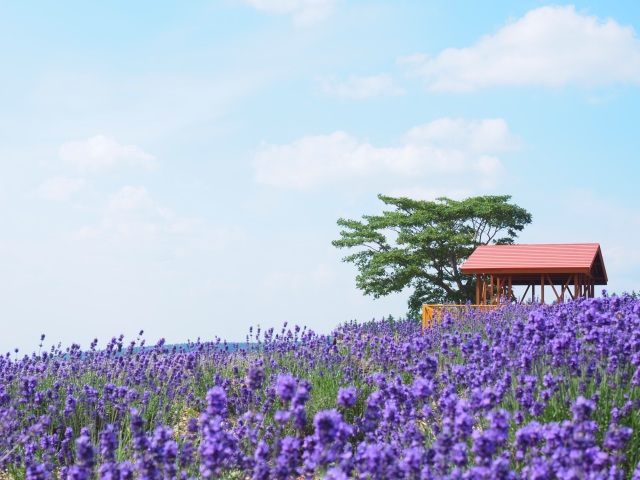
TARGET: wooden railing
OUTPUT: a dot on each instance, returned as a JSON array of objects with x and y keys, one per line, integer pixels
[{"x": 432, "y": 313}]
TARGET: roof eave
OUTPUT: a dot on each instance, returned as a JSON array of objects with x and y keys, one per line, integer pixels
[{"x": 524, "y": 270}]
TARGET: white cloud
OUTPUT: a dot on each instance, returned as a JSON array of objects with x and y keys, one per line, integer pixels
[
  {"x": 130, "y": 198},
  {"x": 132, "y": 219},
  {"x": 442, "y": 147},
  {"x": 550, "y": 46},
  {"x": 60, "y": 188},
  {"x": 303, "y": 12},
  {"x": 424, "y": 193},
  {"x": 320, "y": 276},
  {"x": 490, "y": 135},
  {"x": 184, "y": 105},
  {"x": 323, "y": 275},
  {"x": 360, "y": 88},
  {"x": 101, "y": 152}
]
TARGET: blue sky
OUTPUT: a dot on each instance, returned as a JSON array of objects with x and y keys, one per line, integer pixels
[{"x": 179, "y": 167}]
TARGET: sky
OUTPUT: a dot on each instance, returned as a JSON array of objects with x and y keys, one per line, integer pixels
[{"x": 179, "y": 167}]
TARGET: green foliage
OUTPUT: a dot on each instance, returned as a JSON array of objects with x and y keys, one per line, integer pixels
[{"x": 421, "y": 245}]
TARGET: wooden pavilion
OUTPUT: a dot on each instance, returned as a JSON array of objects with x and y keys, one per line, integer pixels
[{"x": 574, "y": 268}]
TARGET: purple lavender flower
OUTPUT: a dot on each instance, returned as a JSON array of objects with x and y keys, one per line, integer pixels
[
  {"x": 422, "y": 388},
  {"x": 285, "y": 386},
  {"x": 65, "y": 454},
  {"x": 302, "y": 394},
  {"x": 108, "y": 443},
  {"x": 372, "y": 411},
  {"x": 38, "y": 471},
  {"x": 418, "y": 428},
  {"x": 411, "y": 462},
  {"x": 327, "y": 425},
  {"x": 369, "y": 460},
  {"x": 217, "y": 401},
  {"x": 85, "y": 459},
  {"x": 617, "y": 437},
  {"x": 70, "y": 405},
  {"x": 261, "y": 459},
  {"x": 346, "y": 396},
  {"x": 462, "y": 421},
  {"x": 288, "y": 460},
  {"x": 299, "y": 417},
  {"x": 390, "y": 412},
  {"x": 331, "y": 434},
  {"x": 499, "y": 422},
  {"x": 485, "y": 445},
  {"x": 335, "y": 473},
  {"x": 282, "y": 416},
  {"x": 169, "y": 455},
  {"x": 126, "y": 470},
  {"x": 218, "y": 445},
  {"x": 255, "y": 377},
  {"x": 140, "y": 440},
  {"x": 527, "y": 437},
  {"x": 582, "y": 409}
]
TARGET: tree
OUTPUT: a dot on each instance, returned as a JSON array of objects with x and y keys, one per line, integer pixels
[{"x": 421, "y": 245}]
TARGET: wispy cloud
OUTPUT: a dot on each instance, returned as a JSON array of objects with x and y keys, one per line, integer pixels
[
  {"x": 132, "y": 219},
  {"x": 101, "y": 153},
  {"x": 425, "y": 193},
  {"x": 360, "y": 88},
  {"x": 441, "y": 147},
  {"x": 549, "y": 46},
  {"x": 149, "y": 105},
  {"x": 59, "y": 188},
  {"x": 290, "y": 282},
  {"x": 490, "y": 135},
  {"x": 303, "y": 12}
]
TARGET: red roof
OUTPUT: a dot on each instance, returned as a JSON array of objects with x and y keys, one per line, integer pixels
[{"x": 537, "y": 259}]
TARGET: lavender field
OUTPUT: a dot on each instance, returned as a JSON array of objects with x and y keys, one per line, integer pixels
[{"x": 536, "y": 392}]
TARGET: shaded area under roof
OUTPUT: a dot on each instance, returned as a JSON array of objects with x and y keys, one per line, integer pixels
[{"x": 526, "y": 262}]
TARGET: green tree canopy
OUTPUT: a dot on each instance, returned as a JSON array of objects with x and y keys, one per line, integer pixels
[{"x": 421, "y": 245}]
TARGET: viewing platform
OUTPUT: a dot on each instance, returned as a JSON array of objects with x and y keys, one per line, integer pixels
[{"x": 575, "y": 268}]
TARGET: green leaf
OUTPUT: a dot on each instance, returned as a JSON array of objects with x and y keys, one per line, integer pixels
[{"x": 420, "y": 245}]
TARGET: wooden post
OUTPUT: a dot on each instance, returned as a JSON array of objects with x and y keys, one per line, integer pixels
[
  {"x": 484, "y": 289},
  {"x": 491, "y": 289},
  {"x": 477, "y": 289},
  {"x": 542, "y": 288},
  {"x": 533, "y": 292},
  {"x": 587, "y": 287},
  {"x": 581, "y": 279}
]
